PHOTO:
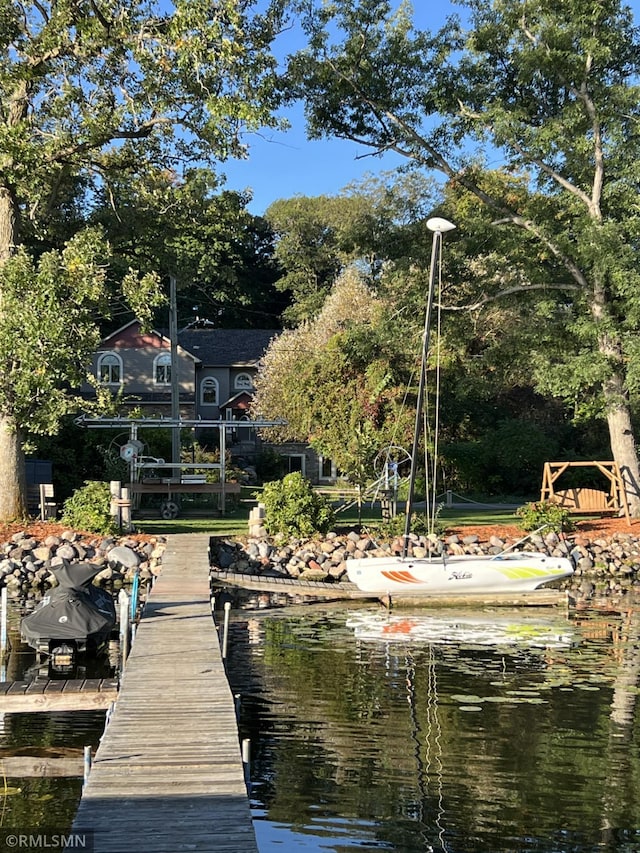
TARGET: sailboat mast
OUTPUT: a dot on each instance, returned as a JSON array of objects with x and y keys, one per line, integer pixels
[{"x": 438, "y": 226}]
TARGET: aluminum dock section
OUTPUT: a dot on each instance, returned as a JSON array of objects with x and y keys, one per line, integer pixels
[{"x": 168, "y": 774}]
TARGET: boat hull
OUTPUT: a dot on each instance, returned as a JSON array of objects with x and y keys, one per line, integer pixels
[{"x": 507, "y": 573}]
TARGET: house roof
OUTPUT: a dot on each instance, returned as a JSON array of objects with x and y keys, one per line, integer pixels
[
  {"x": 227, "y": 347},
  {"x": 241, "y": 400},
  {"x": 130, "y": 336}
]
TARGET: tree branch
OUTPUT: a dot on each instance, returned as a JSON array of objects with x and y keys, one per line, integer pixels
[{"x": 509, "y": 291}]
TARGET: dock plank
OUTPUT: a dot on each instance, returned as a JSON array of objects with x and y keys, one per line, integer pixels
[
  {"x": 168, "y": 774},
  {"x": 20, "y": 697}
]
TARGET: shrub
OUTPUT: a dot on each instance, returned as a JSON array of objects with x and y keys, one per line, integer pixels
[
  {"x": 88, "y": 508},
  {"x": 545, "y": 514},
  {"x": 293, "y": 508}
]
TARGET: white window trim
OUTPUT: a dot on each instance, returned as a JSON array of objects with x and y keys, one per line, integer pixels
[
  {"x": 302, "y": 457},
  {"x": 209, "y": 381},
  {"x": 102, "y": 357},
  {"x": 246, "y": 385},
  {"x": 166, "y": 359},
  {"x": 334, "y": 471}
]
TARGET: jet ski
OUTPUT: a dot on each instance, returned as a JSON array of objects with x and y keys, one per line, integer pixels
[{"x": 73, "y": 617}]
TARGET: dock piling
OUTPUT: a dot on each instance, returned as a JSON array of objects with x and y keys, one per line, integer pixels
[
  {"x": 225, "y": 632},
  {"x": 87, "y": 763},
  {"x": 3, "y": 624},
  {"x": 246, "y": 760}
]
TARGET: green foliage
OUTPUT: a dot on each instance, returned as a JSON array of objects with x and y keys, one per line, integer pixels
[
  {"x": 504, "y": 458},
  {"x": 545, "y": 514},
  {"x": 88, "y": 508},
  {"x": 46, "y": 328},
  {"x": 270, "y": 465},
  {"x": 334, "y": 380},
  {"x": 220, "y": 254},
  {"x": 293, "y": 508},
  {"x": 103, "y": 92},
  {"x": 552, "y": 293}
]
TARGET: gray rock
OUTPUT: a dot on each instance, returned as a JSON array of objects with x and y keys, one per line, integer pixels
[
  {"x": 66, "y": 552},
  {"x": 123, "y": 555}
]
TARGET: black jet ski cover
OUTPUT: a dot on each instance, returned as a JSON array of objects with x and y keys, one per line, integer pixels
[{"x": 73, "y": 610}]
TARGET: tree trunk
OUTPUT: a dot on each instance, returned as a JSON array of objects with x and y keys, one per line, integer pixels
[
  {"x": 12, "y": 472},
  {"x": 8, "y": 226},
  {"x": 623, "y": 448},
  {"x": 616, "y": 399},
  {"x": 13, "y": 502}
]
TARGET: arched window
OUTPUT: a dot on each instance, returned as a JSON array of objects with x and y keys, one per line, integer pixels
[
  {"x": 162, "y": 369},
  {"x": 109, "y": 369},
  {"x": 243, "y": 382},
  {"x": 209, "y": 391}
]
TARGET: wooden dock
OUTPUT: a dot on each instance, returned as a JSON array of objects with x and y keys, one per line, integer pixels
[
  {"x": 81, "y": 694},
  {"x": 290, "y": 586},
  {"x": 168, "y": 774},
  {"x": 20, "y": 762}
]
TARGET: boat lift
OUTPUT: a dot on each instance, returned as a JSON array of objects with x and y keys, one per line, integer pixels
[{"x": 131, "y": 452}]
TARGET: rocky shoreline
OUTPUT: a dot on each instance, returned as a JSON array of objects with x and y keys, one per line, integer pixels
[
  {"x": 27, "y": 562},
  {"x": 608, "y": 564}
]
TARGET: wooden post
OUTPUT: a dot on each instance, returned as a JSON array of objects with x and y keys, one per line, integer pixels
[
  {"x": 87, "y": 763},
  {"x": 3, "y": 625},
  {"x": 125, "y": 509},
  {"x": 114, "y": 506},
  {"x": 225, "y": 633}
]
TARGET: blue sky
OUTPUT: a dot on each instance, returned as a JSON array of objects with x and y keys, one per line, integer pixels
[{"x": 281, "y": 165}]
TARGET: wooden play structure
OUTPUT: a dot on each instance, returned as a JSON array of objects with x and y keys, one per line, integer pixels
[{"x": 583, "y": 500}]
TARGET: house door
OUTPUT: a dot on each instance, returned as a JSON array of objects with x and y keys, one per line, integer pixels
[{"x": 296, "y": 462}]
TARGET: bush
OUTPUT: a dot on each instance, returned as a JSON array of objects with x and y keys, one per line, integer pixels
[
  {"x": 293, "y": 508},
  {"x": 88, "y": 508},
  {"x": 545, "y": 514}
]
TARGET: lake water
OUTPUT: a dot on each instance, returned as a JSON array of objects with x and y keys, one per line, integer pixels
[
  {"x": 494, "y": 732},
  {"x": 44, "y": 803},
  {"x": 488, "y": 732},
  {"x": 37, "y": 802}
]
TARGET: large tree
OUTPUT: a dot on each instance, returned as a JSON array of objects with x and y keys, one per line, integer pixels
[
  {"x": 370, "y": 222},
  {"x": 336, "y": 380},
  {"x": 220, "y": 253},
  {"x": 88, "y": 90},
  {"x": 550, "y": 91}
]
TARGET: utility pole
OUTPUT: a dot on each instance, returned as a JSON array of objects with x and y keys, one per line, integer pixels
[{"x": 175, "y": 385}]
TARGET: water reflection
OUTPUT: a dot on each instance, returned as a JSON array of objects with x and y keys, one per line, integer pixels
[
  {"x": 485, "y": 732},
  {"x": 54, "y": 741}
]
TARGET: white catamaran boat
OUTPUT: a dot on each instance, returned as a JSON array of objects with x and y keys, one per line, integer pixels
[
  {"x": 443, "y": 574},
  {"x": 511, "y": 572}
]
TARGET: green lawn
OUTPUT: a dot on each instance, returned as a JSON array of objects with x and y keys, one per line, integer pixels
[{"x": 235, "y": 523}]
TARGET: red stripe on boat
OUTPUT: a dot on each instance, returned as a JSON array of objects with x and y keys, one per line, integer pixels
[{"x": 400, "y": 577}]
